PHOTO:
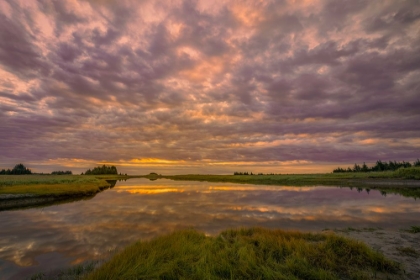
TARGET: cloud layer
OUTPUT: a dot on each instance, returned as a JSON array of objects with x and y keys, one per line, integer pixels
[{"x": 264, "y": 84}]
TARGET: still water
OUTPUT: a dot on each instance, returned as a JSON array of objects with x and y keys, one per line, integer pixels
[{"x": 41, "y": 239}]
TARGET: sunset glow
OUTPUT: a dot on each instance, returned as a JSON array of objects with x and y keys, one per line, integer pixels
[{"x": 187, "y": 86}]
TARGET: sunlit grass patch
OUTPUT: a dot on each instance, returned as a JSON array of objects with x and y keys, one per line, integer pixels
[
  {"x": 253, "y": 253},
  {"x": 51, "y": 184}
]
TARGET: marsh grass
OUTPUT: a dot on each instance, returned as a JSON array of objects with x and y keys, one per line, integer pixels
[
  {"x": 253, "y": 253},
  {"x": 305, "y": 179},
  {"x": 50, "y": 185},
  {"x": 414, "y": 229},
  {"x": 384, "y": 181},
  {"x": 407, "y": 173},
  {"x": 57, "y": 185}
]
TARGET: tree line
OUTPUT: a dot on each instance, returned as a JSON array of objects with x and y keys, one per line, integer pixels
[
  {"x": 102, "y": 170},
  {"x": 67, "y": 172},
  {"x": 379, "y": 166},
  {"x": 19, "y": 169},
  {"x": 246, "y": 173}
]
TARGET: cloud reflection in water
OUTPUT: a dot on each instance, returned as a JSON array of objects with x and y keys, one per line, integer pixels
[{"x": 141, "y": 209}]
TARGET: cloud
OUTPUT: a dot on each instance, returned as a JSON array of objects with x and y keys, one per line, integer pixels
[{"x": 194, "y": 82}]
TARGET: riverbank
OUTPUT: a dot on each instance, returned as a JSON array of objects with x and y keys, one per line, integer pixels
[
  {"x": 17, "y": 191},
  {"x": 22, "y": 191},
  {"x": 402, "y": 181}
]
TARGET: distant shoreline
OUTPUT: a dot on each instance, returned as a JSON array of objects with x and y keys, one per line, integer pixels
[{"x": 25, "y": 191}]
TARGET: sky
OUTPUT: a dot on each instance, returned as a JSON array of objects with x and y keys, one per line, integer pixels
[{"x": 213, "y": 87}]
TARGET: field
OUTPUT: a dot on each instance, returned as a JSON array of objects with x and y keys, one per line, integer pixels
[
  {"x": 412, "y": 173},
  {"x": 41, "y": 185},
  {"x": 405, "y": 181},
  {"x": 23, "y": 191}
]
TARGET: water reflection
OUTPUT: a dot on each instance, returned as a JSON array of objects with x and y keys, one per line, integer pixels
[{"x": 55, "y": 236}]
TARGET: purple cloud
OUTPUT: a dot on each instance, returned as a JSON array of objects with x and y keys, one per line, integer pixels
[{"x": 193, "y": 84}]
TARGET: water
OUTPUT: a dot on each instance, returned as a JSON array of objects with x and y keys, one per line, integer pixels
[{"x": 41, "y": 239}]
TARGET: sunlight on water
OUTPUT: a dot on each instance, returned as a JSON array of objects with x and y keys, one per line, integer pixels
[{"x": 60, "y": 235}]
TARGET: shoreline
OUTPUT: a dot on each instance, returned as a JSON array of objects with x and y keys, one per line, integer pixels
[
  {"x": 18, "y": 202},
  {"x": 44, "y": 190},
  {"x": 48, "y": 193},
  {"x": 401, "y": 246}
]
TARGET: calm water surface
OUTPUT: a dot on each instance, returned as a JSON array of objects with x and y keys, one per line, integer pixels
[{"x": 58, "y": 236}]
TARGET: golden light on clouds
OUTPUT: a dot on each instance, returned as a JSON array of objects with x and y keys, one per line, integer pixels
[{"x": 208, "y": 87}]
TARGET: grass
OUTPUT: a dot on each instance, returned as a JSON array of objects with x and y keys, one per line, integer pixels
[
  {"x": 53, "y": 185},
  {"x": 408, "y": 173},
  {"x": 253, "y": 253},
  {"x": 305, "y": 179},
  {"x": 90, "y": 184},
  {"x": 414, "y": 229}
]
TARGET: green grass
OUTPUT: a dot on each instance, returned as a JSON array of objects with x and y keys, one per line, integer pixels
[
  {"x": 47, "y": 185},
  {"x": 414, "y": 229},
  {"x": 253, "y": 253},
  {"x": 408, "y": 173}
]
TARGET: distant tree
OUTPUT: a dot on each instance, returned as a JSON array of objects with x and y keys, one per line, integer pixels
[
  {"x": 339, "y": 170},
  {"x": 102, "y": 170},
  {"x": 356, "y": 168},
  {"x": 19, "y": 169},
  {"x": 68, "y": 172},
  {"x": 379, "y": 166},
  {"x": 364, "y": 168}
]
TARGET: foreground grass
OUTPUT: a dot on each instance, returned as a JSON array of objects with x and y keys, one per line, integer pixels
[
  {"x": 52, "y": 185},
  {"x": 253, "y": 253}
]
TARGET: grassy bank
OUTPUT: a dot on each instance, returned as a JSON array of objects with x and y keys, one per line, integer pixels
[
  {"x": 26, "y": 191},
  {"x": 412, "y": 173},
  {"x": 404, "y": 181},
  {"x": 254, "y": 253},
  {"x": 42, "y": 185}
]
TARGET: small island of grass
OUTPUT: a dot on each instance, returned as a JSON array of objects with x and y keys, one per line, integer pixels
[{"x": 254, "y": 253}]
